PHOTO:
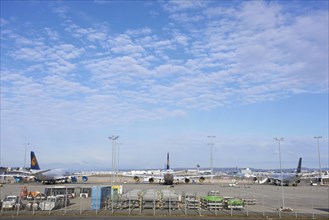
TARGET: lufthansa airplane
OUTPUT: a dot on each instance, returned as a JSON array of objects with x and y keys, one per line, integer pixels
[
  {"x": 45, "y": 176},
  {"x": 169, "y": 177},
  {"x": 51, "y": 176}
]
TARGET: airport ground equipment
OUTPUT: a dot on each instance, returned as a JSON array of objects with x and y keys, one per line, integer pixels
[
  {"x": 170, "y": 199},
  {"x": 130, "y": 199},
  {"x": 212, "y": 202},
  {"x": 35, "y": 195},
  {"x": 151, "y": 199},
  {"x": 148, "y": 199},
  {"x": 249, "y": 201},
  {"x": 234, "y": 203},
  {"x": 85, "y": 192},
  {"x": 100, "y": 195},
  {"x": 33, "y": 205},
  {"x": 60, "y": 190},
  {"x": 52, "y": 202},
  {"x": 192, "y": 201},
  {"x": 11, "y": 202}
]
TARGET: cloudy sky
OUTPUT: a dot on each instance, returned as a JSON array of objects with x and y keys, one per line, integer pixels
[{"x": 164, "y": 75}]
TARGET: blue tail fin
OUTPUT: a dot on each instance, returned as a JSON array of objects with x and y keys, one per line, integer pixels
[
  {"x": 299, "y": 167},
  {"x": 168, "y": 167},
  {"x": 34, "y": 162}
]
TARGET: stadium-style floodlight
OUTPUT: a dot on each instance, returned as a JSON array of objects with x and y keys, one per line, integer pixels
[
  {"x": 211, "y": 144},
  {"x": 279, "y": 142},
  {"x": 320, "y": 172}
]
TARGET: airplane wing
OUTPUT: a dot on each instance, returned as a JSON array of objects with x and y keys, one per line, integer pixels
[
  {"x": 19, "y": 173},
  {"x": 200, "y": 178}
]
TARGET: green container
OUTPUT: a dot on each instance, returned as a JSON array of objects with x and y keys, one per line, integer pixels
[
  {"x": 213, "y": 198},
  {"x": 235, "y": 202}
]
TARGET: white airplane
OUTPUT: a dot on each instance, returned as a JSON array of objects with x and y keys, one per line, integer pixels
[
  {"x": 45, "y": 176},
  {"x": 52, "y": 176},
  {"x": 169, "y": 177},
  {"x": 287, "y": 178}
]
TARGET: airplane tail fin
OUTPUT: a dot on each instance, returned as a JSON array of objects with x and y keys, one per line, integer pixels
[
  {"x": 34, "y": 162},
  {"x": 299, "y": 167},
  {"x": 168, "y": 167},
  {"x": 238, "y": 171}
]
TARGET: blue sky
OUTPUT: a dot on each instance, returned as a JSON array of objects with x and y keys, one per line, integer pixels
[{"x": 164, "y": 75}]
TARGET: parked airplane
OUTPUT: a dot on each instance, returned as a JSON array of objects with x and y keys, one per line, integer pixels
[
  {"x": 45, "y": 176},
  {"x": 287, "y": 178},
  {"x": 169, "y": 177},
  {"x": 52, "y": 176}
]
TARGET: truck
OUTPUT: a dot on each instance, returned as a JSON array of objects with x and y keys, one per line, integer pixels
[{"x": 11, "y": 202}]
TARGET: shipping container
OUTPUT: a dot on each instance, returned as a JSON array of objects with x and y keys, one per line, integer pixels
[{"x": 100, "y": 196}]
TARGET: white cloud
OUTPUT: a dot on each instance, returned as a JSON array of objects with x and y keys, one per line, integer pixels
[
  {"x": 36, "y": 53},
  {"x": 118, "y": 66},
  {"x": 123, "y": 44},
  {"x": 260, "y": 15},
  {"x": 173, "y": 6},
  {"x": 3, "y": 22},
  {"x": 52, "y": 34},
  {"x": 88, "y": 76},
  {"x": 61, "y": 11}
]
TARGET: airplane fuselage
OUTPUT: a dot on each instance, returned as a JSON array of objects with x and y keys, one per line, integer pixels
[{"x": 168, "y": 179}]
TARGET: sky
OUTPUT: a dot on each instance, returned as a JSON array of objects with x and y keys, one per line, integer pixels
[{"x": 164, "y": 76}]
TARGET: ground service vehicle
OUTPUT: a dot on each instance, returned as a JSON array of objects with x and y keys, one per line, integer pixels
[{"x": 11, "y": 202}]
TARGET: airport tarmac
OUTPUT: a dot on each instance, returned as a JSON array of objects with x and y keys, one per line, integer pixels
[{"x": 306, "y": 201}]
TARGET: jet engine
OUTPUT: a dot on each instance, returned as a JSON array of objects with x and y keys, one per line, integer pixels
[
  {"x": 84, "y": 178},
  {"x": 201, "y": 179},
  {"x": 18, "y": 179},
  {"x": 74, "y": 179},
  {"x": 295, "y": 183},
  {"x": 136, "y": 178},
  {"x": 151, "y": 180},
  {"x": 186, "y": 180}
]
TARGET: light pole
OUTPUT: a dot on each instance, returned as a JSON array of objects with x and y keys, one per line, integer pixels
[
  {"x": 320, "y": 172},
  {"x": 117, "y": 161},
  {"x": 113, "y": 138},
  {"x": 211, "y": 144},
  {"x": 279, "y": 142},
  {"x": 26, "y": 145}
]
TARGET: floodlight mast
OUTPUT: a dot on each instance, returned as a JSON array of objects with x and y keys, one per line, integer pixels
[
  {"x": 320, "y": 172},
  {"x": 279, "y": 142},
  {"x": 113, "y": 138},
  {"x": 211, "y": 144}
]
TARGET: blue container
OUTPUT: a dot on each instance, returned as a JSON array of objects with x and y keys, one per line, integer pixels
[{"x": 99, "y": 196}]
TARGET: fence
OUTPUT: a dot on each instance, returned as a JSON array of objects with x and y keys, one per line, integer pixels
[{"x": 166, "y": 202}]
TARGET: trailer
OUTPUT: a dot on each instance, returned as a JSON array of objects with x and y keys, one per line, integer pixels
[
  {"x": 212, "y": 202},
  {"x": 192, "y": 201},
  {"x": 170, "y": 199},
  {"x": 234, "y": 204},
  {"x": 130, "y": 199},
  {"x": 151, "y": 199}
]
